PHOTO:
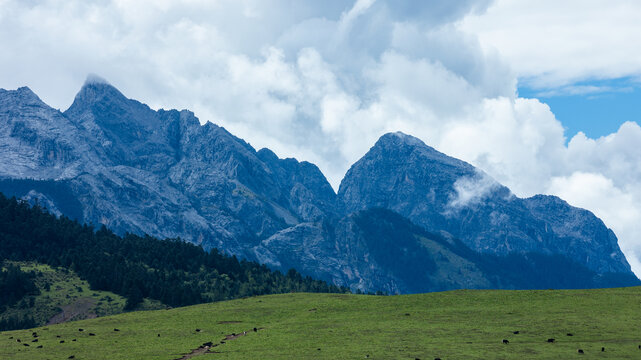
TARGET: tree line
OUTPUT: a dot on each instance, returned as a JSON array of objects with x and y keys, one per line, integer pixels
[{"x": 171, "y": 271}]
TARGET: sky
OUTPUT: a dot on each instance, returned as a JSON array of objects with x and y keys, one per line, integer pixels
[{"x": 542, "y": 95}]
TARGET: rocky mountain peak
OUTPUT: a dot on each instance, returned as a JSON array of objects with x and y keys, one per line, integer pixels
[
  {"x": 401, "y": 164},
  {"x": 100, "y": 104},
  {"x": 119, "y": 163},
  {"x": 441, "y": 193},
  {"x": 95, "y": 90},
  {"x": 399, "y": 138},
  {"x": 21, "y": 96}
]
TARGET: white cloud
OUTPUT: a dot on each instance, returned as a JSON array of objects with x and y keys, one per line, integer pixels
[
  {"x": 321, "y": 81},
  {"x": 583, "y": 90},
  {"x": 551, "y": 43},
  {"x": 619, "y": 208},
  {"x": 469, "y": 190}
]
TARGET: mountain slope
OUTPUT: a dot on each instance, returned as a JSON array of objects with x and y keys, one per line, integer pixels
[
  {"x": 157, "y": 172},
  {"x": 169, "y": 271},
  {"x": 109, "y": 160},
  {"x": 441, "y": 193}
]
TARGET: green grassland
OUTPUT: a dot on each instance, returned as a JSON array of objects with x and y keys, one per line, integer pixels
[
  {"x": 462, "y": 324},
  {"x": 64, "y": 294}
]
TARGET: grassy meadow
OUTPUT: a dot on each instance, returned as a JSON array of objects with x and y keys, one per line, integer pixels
[{"x": 462, "y": 324}]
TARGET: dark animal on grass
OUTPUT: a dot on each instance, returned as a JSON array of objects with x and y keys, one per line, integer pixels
[
  {"x": 580, "y": 351},
  {"x": 505, "y": 341},
  {"x": 34, "y": 340},
  {"x": 71, "y": 357},
  {"x": 116, "y": 329},
  {"x": 73, "y": 340},
  {"x": 550, "y": 340},
  {"x": 62, "y": 341},
  {"x": 25, "y": 344},
  {"x": 570, "y": 334},
  {"x": 39, "y": 347},
  {"x": 516, "y": 332},
  {"x": 602, "y": 349},
  {"x": 92, "y": 334},
  {"x": 255, "y": 329},
  {"x": 81, "y": 329},
  {"x": 197, "y": 330},
  {"x": 18, "y": 340},
  {"x": 158, "y": 335}
]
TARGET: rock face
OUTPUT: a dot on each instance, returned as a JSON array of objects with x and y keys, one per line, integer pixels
[
  {"x": 441, "y": 193},
  {"x": 114, "y": 161},
  {"x": 157, "y": 172}
]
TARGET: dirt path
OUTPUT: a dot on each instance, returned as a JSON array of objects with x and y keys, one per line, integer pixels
[
  {"x": 208, "y": 346},
  {"x": 82, "y": 308}
]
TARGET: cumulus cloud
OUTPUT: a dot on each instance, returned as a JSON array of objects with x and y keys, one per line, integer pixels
[
  {"x": 551, "y": 43},
  {"x": 617, "y": 207},
  {"x": 321, "y": 81},
  {"x": 471, "y": 190}
]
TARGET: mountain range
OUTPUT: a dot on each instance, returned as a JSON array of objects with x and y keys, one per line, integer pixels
[{"x": 406, "y": 217}]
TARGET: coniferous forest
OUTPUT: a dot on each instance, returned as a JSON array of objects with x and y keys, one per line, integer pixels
[{"x": 171, "y": 271}]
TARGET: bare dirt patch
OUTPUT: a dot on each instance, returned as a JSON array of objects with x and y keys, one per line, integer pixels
[
  {"x": 209, "y": 346},
  {"x": 82, "y": 308}
]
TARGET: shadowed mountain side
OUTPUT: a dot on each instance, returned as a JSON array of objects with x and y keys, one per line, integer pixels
[
  {"x": 379, "y": 249},
  {"x": 156, "y": 172},
  {"x": 441, "y": 193},
  {"x": 114, "y": 161}
]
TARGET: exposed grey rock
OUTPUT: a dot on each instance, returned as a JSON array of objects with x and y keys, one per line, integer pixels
[
  {"x": 157, "y": 172},
  {"x": 441, "y": 193},
  {"x": 109, "y": 160}
]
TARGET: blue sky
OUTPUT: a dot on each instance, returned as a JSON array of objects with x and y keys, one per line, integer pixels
[{"x": 596, "y": 108}]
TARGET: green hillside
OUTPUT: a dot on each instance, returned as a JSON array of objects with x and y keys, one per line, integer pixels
[
  {"x": 134, "y": 272},
  {"x": 460, "y": 324},
  {"x": 62, "y": 296}
]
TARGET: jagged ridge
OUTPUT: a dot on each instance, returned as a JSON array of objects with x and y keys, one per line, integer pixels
[{"x": 162, "y": 173}]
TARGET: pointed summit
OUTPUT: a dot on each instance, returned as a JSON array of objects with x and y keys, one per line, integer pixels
[
  {"x": 93, "y": 79},
  {"x": 398, "y": 167},
  {"x": 95, "y": 90},
  {"x": 402, "y": 150},
  {"x": 101, "y": 103},
  {"x": 22, "y": 95},
  {"x": 400, "y": 138}
]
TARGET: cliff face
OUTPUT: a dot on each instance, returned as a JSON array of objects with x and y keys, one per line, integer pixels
[
  {"x": 441, "y": 193},
  {"x": 114, "y": 161},
  {"x": 158, "y": 172}
]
